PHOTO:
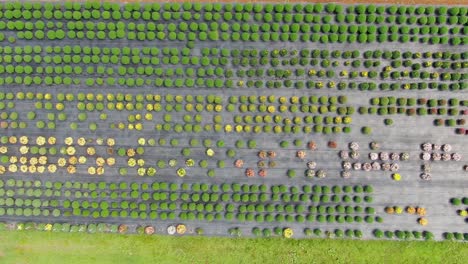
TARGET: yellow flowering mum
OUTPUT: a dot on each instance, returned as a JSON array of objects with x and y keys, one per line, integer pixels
[
  {"x": 71, "y": 169},
  {"x": 92, "y": 170},
  {"x": 71, "y": 151},
  {"x": 73, "y": 160},
  {"x": 24, "y": 168},
  {"x": 68, "y": 141},
  {"x": 91, "y": 151},
  {"x": 62, "y": 162},
  {"x": 40, "y": 140},
  {"x": 24, "y": 149},
  {"x": 51, "y": 140},
  {"x": 396, "y": 177},
  {"x": 24, "y": 140},
  {"x": 52, "y": 168},
  {"x": 23, "y": 160},
  {"x": 288, "y": 232},
  {"x": 42, "y": 160},
  {"x": 81, "y": 141},
  {"x": 131, "y": 162},
  {"x": 210, "y": 152},
  {"x": 181, "y": 229},
  {"x": 13, "y": 159},
  {"x": 100, "y": 161},
  {"x": 12, "y": 168},
  {"x": 130, "y": 152},
  {"x": 13, "y": 140},
  {"x": 3, "y": 149},
  {"x": 110, "y": 161},
  {"x": 100, "y": 170},
  {"x": 423, "y": 221},
  {"x": 33, "y": 160},
  {"x": 82, "y": 159},
  {"x": 110, "y": 142},
  {"x": 40, "y": 169}
]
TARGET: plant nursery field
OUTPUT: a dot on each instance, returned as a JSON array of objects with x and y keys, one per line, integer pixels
[{"x": 307, "y": 120}]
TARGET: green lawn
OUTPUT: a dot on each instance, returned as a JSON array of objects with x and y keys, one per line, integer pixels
[{"x": 43, "y": 247}]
